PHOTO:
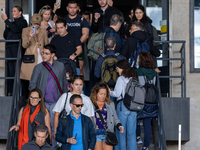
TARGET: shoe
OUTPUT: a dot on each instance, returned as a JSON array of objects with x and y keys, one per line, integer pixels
[
  {"x": 139, "y": 141},
  {"x": 145, "y": 148}
]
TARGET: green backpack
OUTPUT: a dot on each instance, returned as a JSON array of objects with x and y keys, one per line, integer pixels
[
  {"x": 96, "y": 45},
  {"x": 109, "y": 73}
]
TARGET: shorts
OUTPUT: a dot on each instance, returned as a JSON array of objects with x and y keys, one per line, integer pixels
[
  {"x": 100, "y": 138},
  {"x": 81, "y": 56}
]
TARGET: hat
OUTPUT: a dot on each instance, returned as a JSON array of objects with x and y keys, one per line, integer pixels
[{"x": 36, "y": 19}]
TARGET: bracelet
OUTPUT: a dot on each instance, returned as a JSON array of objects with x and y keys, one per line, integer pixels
[{"x": 75, "y": 55}]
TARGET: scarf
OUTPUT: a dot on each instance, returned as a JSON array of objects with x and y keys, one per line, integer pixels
[{"x": 23, "y": 130}]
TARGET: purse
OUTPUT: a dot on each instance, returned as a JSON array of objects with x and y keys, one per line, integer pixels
[
  {"x": 30, "y": 58},
  {"x": 111, "y": 138}
]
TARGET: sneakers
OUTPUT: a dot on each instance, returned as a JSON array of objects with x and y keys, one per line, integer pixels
[
  {"x": 139, "y": 141},
  {"x": 145, "y": 148}
]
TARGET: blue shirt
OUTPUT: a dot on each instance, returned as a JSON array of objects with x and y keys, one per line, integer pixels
[{"x": 77, "y": 129}]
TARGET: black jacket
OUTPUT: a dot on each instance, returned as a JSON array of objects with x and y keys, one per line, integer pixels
[
  {"x": 130, "y": 45},
  {"x": 104, "y": 19},
  {"x": 33, "y": 146},
  {"x": 14, "y": 31},
  {"x": 88, "y": 133}
]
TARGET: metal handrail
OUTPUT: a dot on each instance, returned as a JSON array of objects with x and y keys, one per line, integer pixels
[
  {"x": 12, "y": 136},
  {"x": 161, "y": 132}
]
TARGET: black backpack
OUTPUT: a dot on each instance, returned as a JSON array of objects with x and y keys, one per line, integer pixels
[
  {"x": 109, "y": 73},
  {"x": 151, "y": 92},
  {"x": 69, "y": 64}
]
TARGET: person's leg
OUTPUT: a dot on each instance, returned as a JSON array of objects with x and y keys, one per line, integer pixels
[
  {"x": 147, "y": 131},
  {"x": 107, "y": 147},
  {"x": 99, "y": 146},
  {"x": 81, "y": 63},
  {"x": 122, "y": 113},
  {"x": 131, "y": 131},
  {"x": 78, "y": 71},
  {"x": 138, "y": 131}
]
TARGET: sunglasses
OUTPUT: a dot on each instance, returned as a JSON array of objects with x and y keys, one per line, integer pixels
[
  {"x": 78, "y": 105},
  {"x": 46, "y": 8}
]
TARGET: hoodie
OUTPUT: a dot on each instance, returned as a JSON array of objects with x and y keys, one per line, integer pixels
[{"x": 130, "y": 45}]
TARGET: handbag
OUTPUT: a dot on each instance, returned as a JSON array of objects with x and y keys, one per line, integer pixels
[
  {"x": 30, "y": 58},
  {"x": 111, "y": 138}
]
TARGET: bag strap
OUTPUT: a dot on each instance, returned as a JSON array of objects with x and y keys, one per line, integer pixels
[
  {"x": 101, "y": 117},
  {"x": 53, "y": 74},
  {"x": 65, "y": 117}
]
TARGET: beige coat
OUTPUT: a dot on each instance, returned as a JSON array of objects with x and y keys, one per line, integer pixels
[{"x": 27, "y": 68}]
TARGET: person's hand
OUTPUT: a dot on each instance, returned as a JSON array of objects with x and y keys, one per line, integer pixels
[
  {"x": 31, "y": 34},
  {"x": 4, "y": 16},
  {"x": 71, "y": 140},
  {"x": 16, "y": 127},
  {"x": 41, "y": 50},
  {"x": 72, "y": 57},
  {"x": 54, "y": 136},
  {"x": 53, "y": 29},
  {"x": 56, "y": 6},
  {"x": 157, "y": 70},
  {"x": 121, "y": 128},
  {"x": 96, "y": 17}
]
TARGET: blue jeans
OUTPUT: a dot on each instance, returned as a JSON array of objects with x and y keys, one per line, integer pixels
[
  {"x": 128, "y": 120},
  {"x": 78, "y": 71},
  {"x": 147, "y": 131}
]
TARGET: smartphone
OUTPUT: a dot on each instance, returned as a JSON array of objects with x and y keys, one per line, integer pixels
[
  {"x": 76, "y": 136},
  {"x": 3, "y": 10},
  {"x": 34, "y": 29},
  {"x": 59, "y": 2}
]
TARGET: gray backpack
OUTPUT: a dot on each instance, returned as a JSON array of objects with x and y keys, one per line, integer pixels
[{"x": 134, "y": 97}]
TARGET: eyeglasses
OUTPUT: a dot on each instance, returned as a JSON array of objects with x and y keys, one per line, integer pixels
[
  {"x": 46, "y": 8},
  {"x": 78, "y": 105},
  {"x": 34, "y": 98}
]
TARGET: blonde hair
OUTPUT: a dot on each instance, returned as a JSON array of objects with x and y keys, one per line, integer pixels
[
  {"x": 95, "y": 91},
  {"x": 42, "y": 11}
]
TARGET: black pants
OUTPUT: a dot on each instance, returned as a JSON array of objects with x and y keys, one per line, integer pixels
[{"x": 11, "y": 52}]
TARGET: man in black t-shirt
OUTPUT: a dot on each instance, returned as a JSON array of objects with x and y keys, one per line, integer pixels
[
  {"x": 77, "y": 25},
  {"x": 68, "y": 45}
]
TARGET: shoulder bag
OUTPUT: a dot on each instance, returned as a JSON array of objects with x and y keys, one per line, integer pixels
[{"x": 111, "y": 138}]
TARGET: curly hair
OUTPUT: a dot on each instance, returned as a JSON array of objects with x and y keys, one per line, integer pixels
[
  {"x": 41, "y": 103},
  {"x": 95, "y": 91},
  {"x": 144, "y": 19},
  {"x": 128, "y": 71},
  {"x": 146, "y": 60}
]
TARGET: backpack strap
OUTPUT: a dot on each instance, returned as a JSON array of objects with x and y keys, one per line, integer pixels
[{"x": 53, "y": 74}]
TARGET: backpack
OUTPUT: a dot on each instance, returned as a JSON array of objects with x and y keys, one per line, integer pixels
[
  {"x": 151, "y": 92},
  {"x": 109, "y": 73},
  {"x": 96, "y": 44},
  {"x": 69, "y": 64},
  {"x": 141, "y": 46},
  {"x": 134, "y": 97}
]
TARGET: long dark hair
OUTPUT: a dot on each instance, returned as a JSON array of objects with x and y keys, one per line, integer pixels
[
  {"x": 128, "y": 71},
  {"x": 19, "y": 8},
  {"x": 41, "y": 103},
  {"x": 145, "y": 19}
]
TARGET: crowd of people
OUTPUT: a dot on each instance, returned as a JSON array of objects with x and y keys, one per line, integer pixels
[{"x": 55, "y": 68}]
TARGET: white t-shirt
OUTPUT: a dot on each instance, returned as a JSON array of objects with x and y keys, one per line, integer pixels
[{"x": 87, "y": 109}]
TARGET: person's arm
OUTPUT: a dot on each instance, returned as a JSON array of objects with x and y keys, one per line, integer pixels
[
  {"x": 124, "y": 50},
  {"x": 16, "y": 28},
  {"x": 46, "y": 41},
  {"x": 16, "y": 127},
  {"x": 59, "y": 134},
  {"x": 116, "y": 119},
  {"x": 78, "y": 52},
  {"x": 34, "y": 78},
  {"x": 26, "y": 37},
  {"x": 48, "y": 123},
  {"x": 95, "y": 18},
  {"x": 85, "y": 35},
  {"x": 55, "y": 124},
  {"x": 117, "y": 92},
  {"x": 154, "y": 50},
  {"x": 90, "y": 110},
  {"x": 97, "y": 69},
  {"x": 64, "y": 81},
  {"x": 92, "y": 135}
]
